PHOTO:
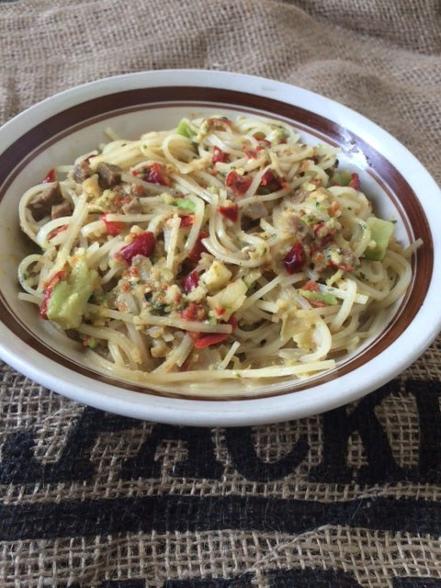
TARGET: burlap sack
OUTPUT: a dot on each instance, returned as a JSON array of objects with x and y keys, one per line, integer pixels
[{"x": 351, "y": 498}]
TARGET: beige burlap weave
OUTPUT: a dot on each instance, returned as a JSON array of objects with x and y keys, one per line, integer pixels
[{"x": 352, "y": 498}]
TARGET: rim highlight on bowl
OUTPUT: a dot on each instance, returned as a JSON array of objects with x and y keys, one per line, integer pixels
[{"x": 62, "y": 127}]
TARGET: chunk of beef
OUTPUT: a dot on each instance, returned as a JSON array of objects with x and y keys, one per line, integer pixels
[
  {"x": 82, "y": 171},
  {"x": 62, "y": 209},
  {"x": 109, "y": 175},
  {"x": 42, "y": 205},
  {"x": 132, "y": 207}
]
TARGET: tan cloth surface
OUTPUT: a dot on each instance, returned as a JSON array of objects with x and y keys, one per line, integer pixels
[{"x": 351, "y": 498}]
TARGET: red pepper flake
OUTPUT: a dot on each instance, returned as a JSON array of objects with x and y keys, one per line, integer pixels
[
  {"x": 219, "y": 123},
  {"x": 344, "y": 267},
  {"x": 219, "y": 156},
  {"x": 230, "y": 212},
  {"x": 311, "y": 286},
  {"x": 238, "y": 184},
  {"x": 198, "y": 249},
  {"x": 295, "y": 259},
  {"x": 117, "y": 201},
  {"x": 47, "y": 292},
  {"x": 142, "y": 244},
  {"x": 50, "y": 177},
  {"x": 191, "y": 281},
  {"x": 112, "y": 227},
  {"x": 334, "y": 208},
  {"x": 154, "y": 174},
  {"x": 355, "y": 181},
  {"x": 323, "y": 233},
  {"x": 317, "y": 303},
  {"x": 194, "y": 312},
  {"x": 252, "y": 153},
  {"x": 187, "y": 220},
  {"x": 56, "y": 231},
  {"x": 204, "y": 341}
]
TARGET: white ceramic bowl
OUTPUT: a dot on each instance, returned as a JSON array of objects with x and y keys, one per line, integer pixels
[{"x": 62, "y": 127}]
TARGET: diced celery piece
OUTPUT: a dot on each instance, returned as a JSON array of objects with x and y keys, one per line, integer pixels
[{"x": 381, "y": 232}]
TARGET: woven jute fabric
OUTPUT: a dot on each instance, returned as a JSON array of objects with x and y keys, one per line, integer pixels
[{"x": 347, "y": 499}]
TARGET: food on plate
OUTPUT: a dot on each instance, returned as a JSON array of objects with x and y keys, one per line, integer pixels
[{"x": 220, "y": 249}]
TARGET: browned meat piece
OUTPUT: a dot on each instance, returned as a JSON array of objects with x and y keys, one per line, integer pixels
[
  {"x": 63, "y": 209},
  {"x": 42, "y": 205},
  {"x": 82, "y": 171},
  {"x": 108, "y": 175},
  {"x": 132, "y": 207}
]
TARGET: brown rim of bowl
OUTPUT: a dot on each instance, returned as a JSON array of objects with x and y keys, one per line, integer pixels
[{"x": 33, "y": 142}]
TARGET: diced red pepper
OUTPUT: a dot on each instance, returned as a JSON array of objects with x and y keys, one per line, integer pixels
[
  {"x": 204, "y": 341},
  {"x": 295, "y": 259},
  {"x": 187, "y": 220},
  {"x": 56, "y": 231},
  {"x": 157, "y": 175},
  {"x": 233, "y": 322},
  {"x": 311, "y": 286},
  {"x": 238, "y": 184},
  {"x": 355, "y": 181},
  {"x": 47, "y": 292},
  {"x": 219, "y": 156},
  {"x": 267, "y": 178},
  {"x": 191, "y": 281},
  {"x": 230, "y": 212},
  {"x": 112, "y": 227},
  {"x": 271, "y": 181},
  {"x": 142, "y": 244},
  {"x": 50, "y": 177},
  {"x": 198, "y": 249},
  {"x": 194, "y": 312},
  {"x": 154, "y": 174}
]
